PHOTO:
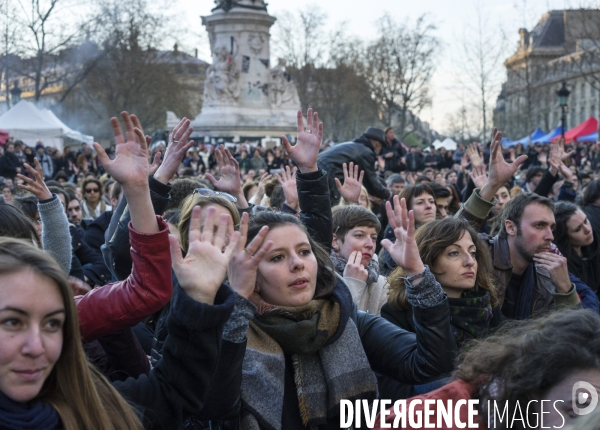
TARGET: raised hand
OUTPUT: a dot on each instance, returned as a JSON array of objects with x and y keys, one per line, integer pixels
[
  {"x": 404, "y": 251},
  {"x": 155, "y": 162},
  {"x": 256, "y": 199},
  {"x": 352, "y": 187},
  {"x": 306, "y": 150},
  {"x": 287, "y": 179},
  {"x": 230, "y": 180},
  {"x": 130, "y": 165},
  {"x": 473, "y": 152},
  {"x": 208, "y": 254},
  {"x": 178, "y": 146},
  {"x": 479, "y": 176},
  {"x": 354, "y": 268},
  {"x": 500, "y": 171},
  {"x": 35, "y": 186},
  {"x": 243, "y": 266}
]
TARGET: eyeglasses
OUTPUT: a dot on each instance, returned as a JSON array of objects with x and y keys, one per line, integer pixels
[
  {"x": 209, "y": 192},
  {"x": 92, "y": 190}
]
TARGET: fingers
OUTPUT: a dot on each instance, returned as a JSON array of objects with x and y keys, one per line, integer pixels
[
  {"x": 403, "y": 214},
  {"x": 175, "y": 247},
  {"x": 360, "y": 177},
  {"x": 339, "y": 185},
  {"x": 136, "y": 122},
  {"x": 300, "y": 122},
  {"x": 387, "y": 244},
  {"x": 411, "y": 224},
  {"x": 519, "y": 161},
  {"x": 390, "y": 213},
  {"x": 195, "y": 230},
  {"x": 286, "y": 143},
  {"x": 155, "y": 163},
  {"x": 220, "y": 238},
  {"x": 309, "y": 120},
  {"x": 104, "y": 159},
  {"x": 128, "y": 125},
  {"x": 211, "y": 178},
  {"x": 243, "y": 231},
  {"x": 255, "y": 244},
  {"x": 345, "y": 170},
  {"x": 117, "y": 132},
  {"x": 140, "y": 138}
]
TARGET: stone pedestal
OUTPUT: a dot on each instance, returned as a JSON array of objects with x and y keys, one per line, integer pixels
[{"x": 243, "y": 94}]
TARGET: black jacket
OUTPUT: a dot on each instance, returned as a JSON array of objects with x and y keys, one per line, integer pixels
[
  {"x": 412, "y": 358},
  {"x": 8, "y": 165},
  {"x": 177, "y": 387},
  {"x": 361, "y": 152}
]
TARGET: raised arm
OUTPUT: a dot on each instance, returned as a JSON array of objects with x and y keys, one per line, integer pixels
[
  {"x": 230, "y": 181},
  {"x": 56, "y": 238}
]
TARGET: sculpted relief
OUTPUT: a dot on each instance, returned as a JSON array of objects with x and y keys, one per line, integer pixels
[
  {"x": 283, "y": 91},
  {"x": 222, "y": 78}
]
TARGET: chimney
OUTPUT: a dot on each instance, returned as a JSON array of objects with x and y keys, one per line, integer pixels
[
  {"x": 196, "y": 52},
  {"x": 524, "y": 42},
  {"x": 175, "y": 49}
]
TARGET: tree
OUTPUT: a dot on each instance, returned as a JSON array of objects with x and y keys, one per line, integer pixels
[
  {"x": 479, "y": 59},
  {"x": 399, "y": 65}
]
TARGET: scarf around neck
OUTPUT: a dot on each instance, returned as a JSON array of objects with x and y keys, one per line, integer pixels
[
  {"x": 28, "y": 416},
  {"x": 470, "y": 315},
  {"x": 329, "y": 362},
  {"x": 340, "y": 264}
]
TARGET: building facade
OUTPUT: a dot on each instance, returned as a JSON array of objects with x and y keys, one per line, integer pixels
[{"x": 563, "y": 47}]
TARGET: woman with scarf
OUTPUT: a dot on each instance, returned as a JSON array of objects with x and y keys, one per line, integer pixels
[
  {"x": 578, "y": 242},
  {"x": 303, "y": 344},
  {"x": 461, "y": 264}
]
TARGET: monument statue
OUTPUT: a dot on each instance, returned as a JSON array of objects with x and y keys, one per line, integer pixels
[{"x": 243, "y": 95}]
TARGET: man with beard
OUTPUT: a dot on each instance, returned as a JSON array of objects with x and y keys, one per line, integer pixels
[{"x": 530, "y": 274}]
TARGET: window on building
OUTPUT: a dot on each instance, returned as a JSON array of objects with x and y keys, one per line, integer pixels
[
  {"x": 582, "y": 116},
  {"x": 178, "y": 69},
  {"x": 593, "y": 111},
  {"x": 573, "y": 120}
]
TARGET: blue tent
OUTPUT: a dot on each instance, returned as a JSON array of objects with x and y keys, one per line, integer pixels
[
  {"x": 548, "y": 137},
  {"x": 535, "y": 136},
  {"x": 589, "y": 138}
]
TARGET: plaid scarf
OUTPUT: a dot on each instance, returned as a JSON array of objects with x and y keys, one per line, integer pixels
[
  {"x": 327, "y": 355},
  {"x": 471, "y": 315}
]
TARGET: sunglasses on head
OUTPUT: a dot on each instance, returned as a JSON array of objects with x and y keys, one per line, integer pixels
[{"x": 209, "y": 192}]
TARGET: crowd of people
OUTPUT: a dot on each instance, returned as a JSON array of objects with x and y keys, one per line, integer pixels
[{"x": 205, "y": 287}]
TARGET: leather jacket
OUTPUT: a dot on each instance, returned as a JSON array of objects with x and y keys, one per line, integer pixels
[{"x": 361, "y": 152}]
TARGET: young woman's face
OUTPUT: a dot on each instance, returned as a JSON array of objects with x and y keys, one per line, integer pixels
[
  {"x": 363, "y": 200},
  {"x": 361, "y": 239},
  {"x": 91, "y": 192},
  {"x": 456, "y": 267},
  {"x": 503, "y": 196},
  {"x": 580, "y": 230},
  {"x": 287, "y": 275},
  {"x": 32, "y": 315},
  {"x": 424, "y": 208}
]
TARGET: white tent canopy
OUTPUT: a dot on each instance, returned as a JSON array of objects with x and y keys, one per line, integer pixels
[
  {"x": 447, "y": 143},
  {"x": 28, "y": 123}
]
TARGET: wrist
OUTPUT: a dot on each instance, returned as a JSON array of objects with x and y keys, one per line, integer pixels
[
  {"x": 308, "y": 169},
  {"x": 417, "y": 270},
  {"x": 161, "y": 177}
]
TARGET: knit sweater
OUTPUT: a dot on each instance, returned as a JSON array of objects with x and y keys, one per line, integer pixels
[
  {"x": 56, "y": 239},
  {"x": 369, "y": 298}
]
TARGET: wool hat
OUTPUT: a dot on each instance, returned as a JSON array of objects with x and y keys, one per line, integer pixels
[{"x": 375, "y": 134}]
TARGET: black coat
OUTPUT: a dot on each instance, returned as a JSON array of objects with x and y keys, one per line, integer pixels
[
  {"x": 8, "y": 165},
  {"x": 361, "y": 152}
]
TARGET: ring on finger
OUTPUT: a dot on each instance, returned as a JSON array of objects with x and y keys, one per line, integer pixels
[{"x": 248, "y": 252}]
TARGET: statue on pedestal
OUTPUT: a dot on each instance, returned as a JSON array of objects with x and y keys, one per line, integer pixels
[
  {"x": 282, "y": 88},
  {"x": 221, "y": 83}
]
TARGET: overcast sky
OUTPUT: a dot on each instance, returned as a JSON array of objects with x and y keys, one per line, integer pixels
[{"x": 451, "y": 16}]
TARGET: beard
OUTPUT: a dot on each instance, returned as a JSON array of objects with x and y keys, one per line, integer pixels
[{"x": 521, "y": 248}]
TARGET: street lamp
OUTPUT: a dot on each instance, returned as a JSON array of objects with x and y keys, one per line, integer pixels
[
  {"x": 563, "y": 97},
  {"x": 15, "y": 93}
]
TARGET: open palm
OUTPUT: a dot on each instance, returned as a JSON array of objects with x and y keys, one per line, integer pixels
[
  {"x": 306, "y": 150},
  {"x": 404, "y": 251},
  {"x": 208, "y": 254},
  {"x": 130, "y": 165},
  {"x": 500, "y": 170}
]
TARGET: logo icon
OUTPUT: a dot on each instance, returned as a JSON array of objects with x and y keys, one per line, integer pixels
[{"x": 580, "y": 398}]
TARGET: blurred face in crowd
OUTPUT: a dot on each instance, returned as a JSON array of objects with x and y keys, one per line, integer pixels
[
  {"x": 442, "y": 206},
  {"x": 396, "y": 188},
  {"x": 561, "y": 395},
  {"x": 31, "y": 332},
  {"x": 10, "y": 148},
  {"x": 361, "y": 239},
  {"x": 91, "y": 192},
  {"x": 452, "y": 178},
  {"x": 424, "y": 208},
  {"x": 287, "y": 274},
  {"x": 456, "y": 268},
  {"x": 7, "y": 194},
  {"x": 439, "y": 179},
  {"x": 580, "y": 230},
  {"x": 389, "y": 136},
  {"x": 363, "y": 200},
  {"x": 502, "y": 196},
  {"x": 74, "y": 212},
  {"x": 534, "y": 234},
  {"x": 536, "y": 180},
  {"x": 429, "y": 174}
]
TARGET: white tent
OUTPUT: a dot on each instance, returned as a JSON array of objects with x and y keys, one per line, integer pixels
[
  {"x": 28, "y": 123},
  {"x": 436, "y": 143},
  {"x": 448, "y": 143}
]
